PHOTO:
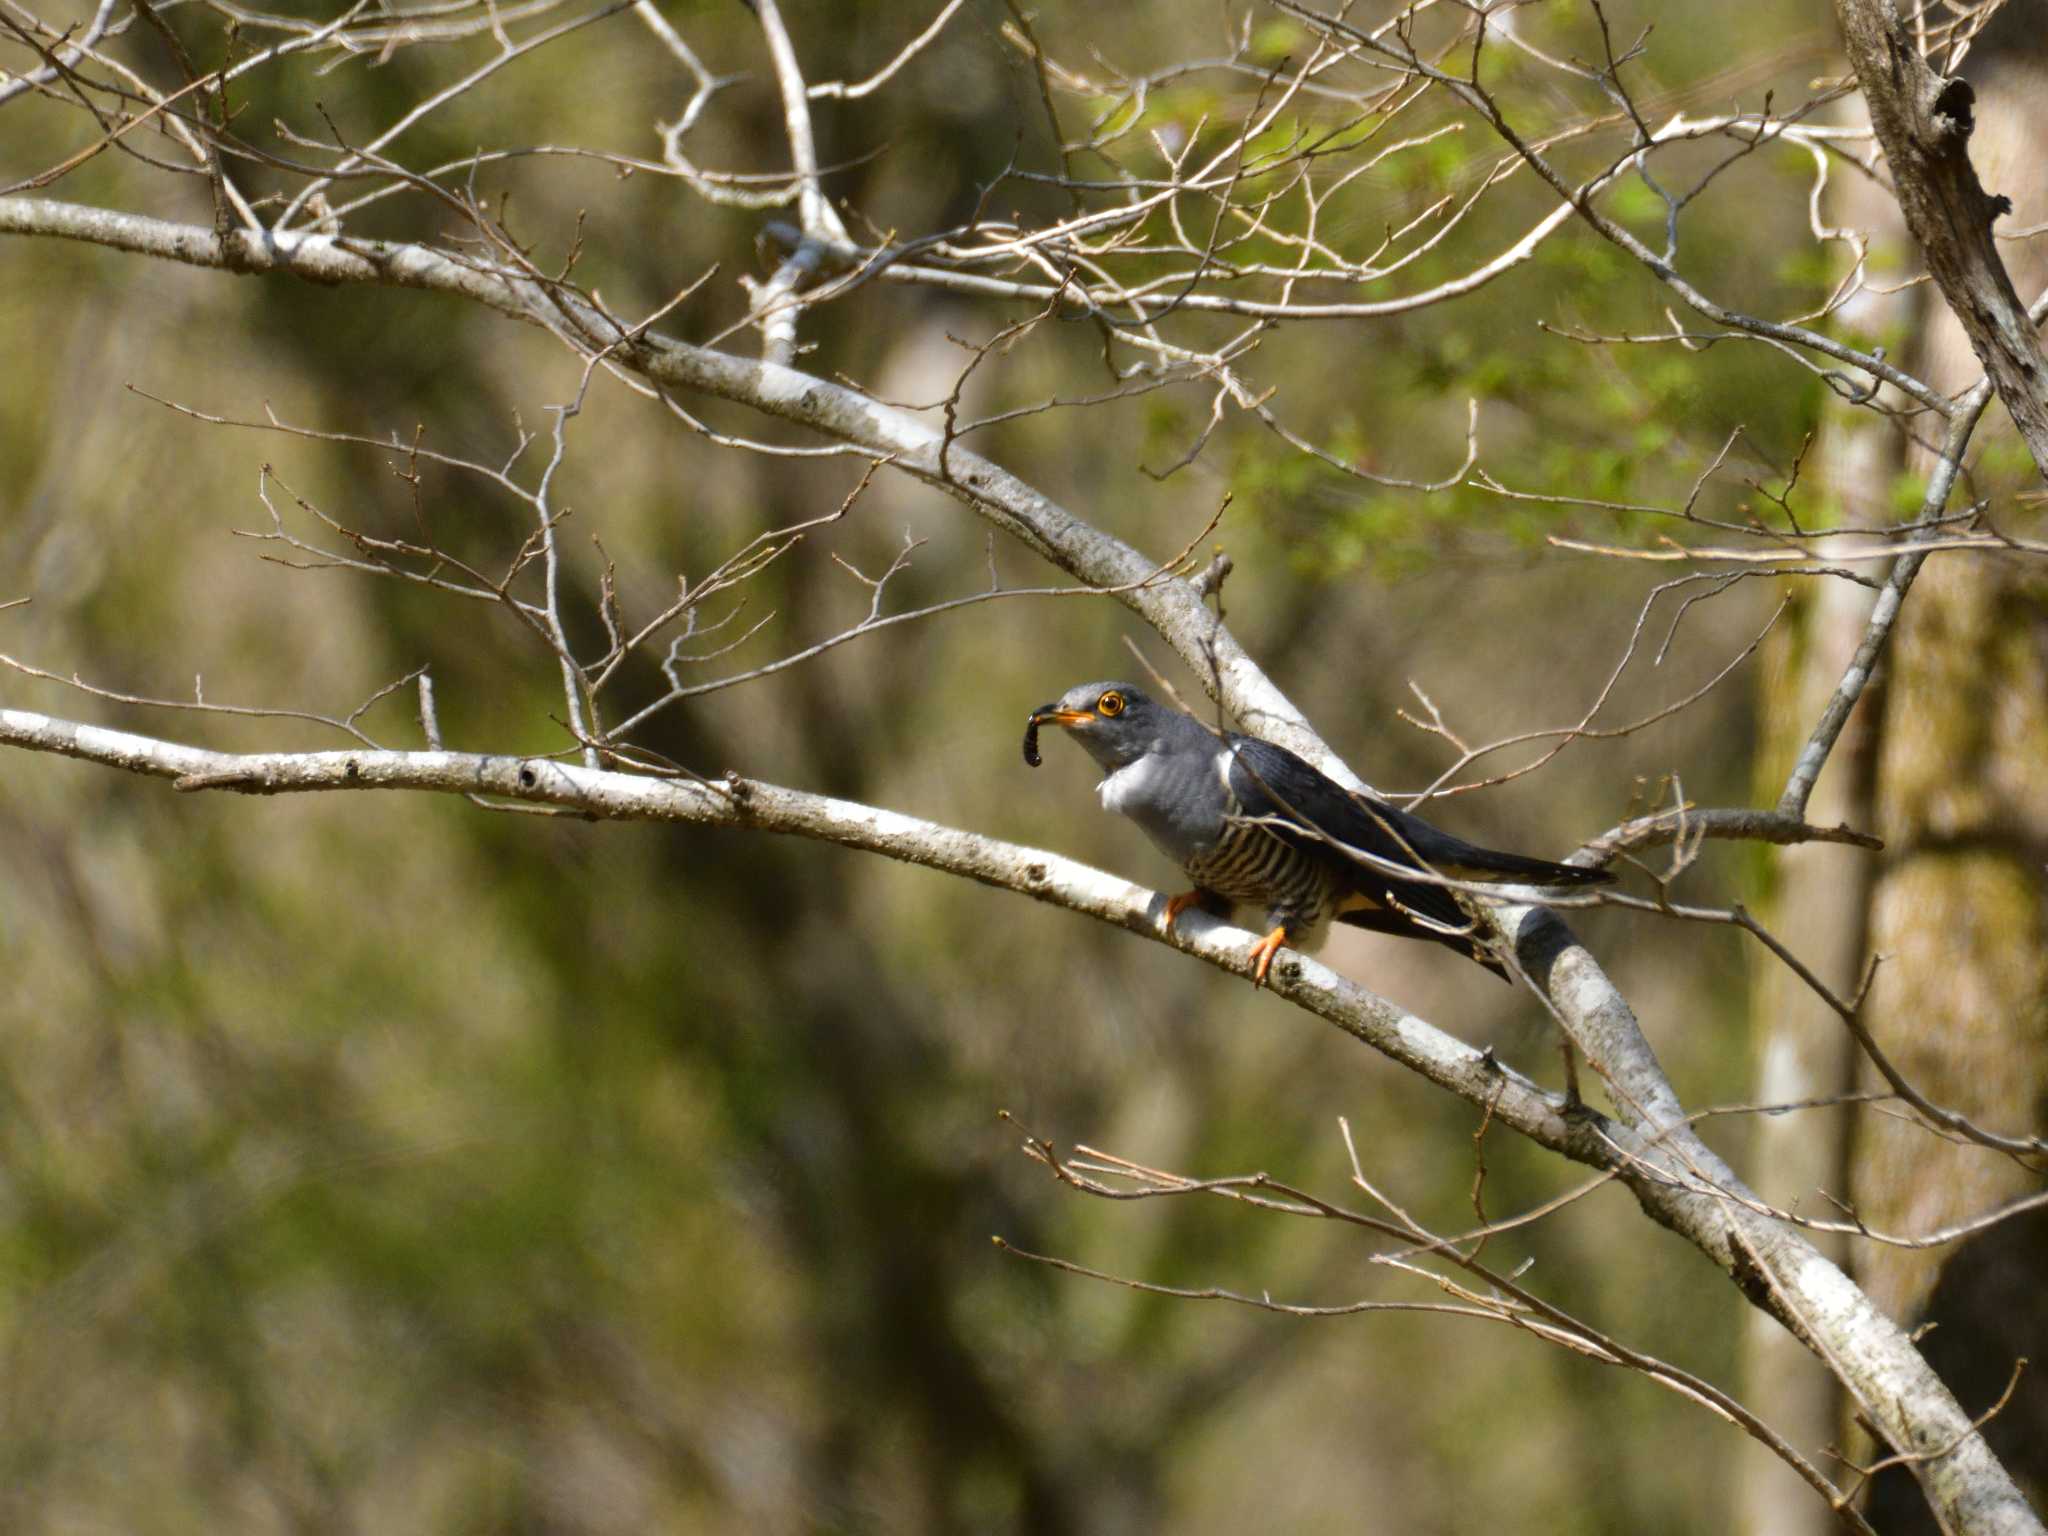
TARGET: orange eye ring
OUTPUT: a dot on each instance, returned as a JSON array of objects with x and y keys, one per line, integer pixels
[{"x": 1110, "y": 705}]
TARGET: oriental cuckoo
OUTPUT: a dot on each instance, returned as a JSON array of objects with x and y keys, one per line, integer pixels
[{"x": 1252, "y": 823}]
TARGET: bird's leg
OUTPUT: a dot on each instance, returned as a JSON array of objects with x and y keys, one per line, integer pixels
[
  {"x": 1263, "y": 952},
  {"x": 1175, "y": 905},
  {"x": 1208, "y": 901}
]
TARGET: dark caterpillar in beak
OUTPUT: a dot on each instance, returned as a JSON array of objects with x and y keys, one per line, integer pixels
[{"x": 1031, "y": 757}]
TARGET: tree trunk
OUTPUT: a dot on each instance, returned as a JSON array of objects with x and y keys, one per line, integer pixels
[{"x": 1960, "y": 908}]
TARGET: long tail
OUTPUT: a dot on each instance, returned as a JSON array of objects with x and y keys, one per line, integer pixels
[
  {"x": 1489, "y": 864},
  {"x": 1477, "y": 864}
]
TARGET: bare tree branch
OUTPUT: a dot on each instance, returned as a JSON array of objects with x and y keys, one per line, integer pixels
[
  {"x": 1653, "y": 1148},
  {"x": 1814, "y": 755},
  {"x": 1173, "y": 608}
]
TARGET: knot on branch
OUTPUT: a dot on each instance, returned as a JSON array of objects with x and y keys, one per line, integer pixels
[
  {"x": 1753, "y": 1279},
  {"x": 248, "y": 781},
  {"x": 233, "y": 254},
  {"x": 779, "y": 244},
  {"x": 739, "y": 793},
  {"x": 1209, "y": 580},
  {"x": 1951, "y": 111}
]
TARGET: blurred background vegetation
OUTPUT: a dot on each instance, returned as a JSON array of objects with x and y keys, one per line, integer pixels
[{"x": 378, "y": 1163}]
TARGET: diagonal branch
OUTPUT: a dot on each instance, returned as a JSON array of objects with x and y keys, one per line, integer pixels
[
  {"x": 1678, "y": 1181},
  {"x": 1172, "y": 607},
  {"x": 1814, "y": 755},
  {"x": 1652, "y": 1147}
]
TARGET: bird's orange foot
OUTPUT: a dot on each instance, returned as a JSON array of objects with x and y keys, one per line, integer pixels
[
  {"x": 1175, "y": 905},
  {"x": 1263, "y": 952}
]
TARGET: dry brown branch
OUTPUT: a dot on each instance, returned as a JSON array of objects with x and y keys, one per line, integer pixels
[{"x": 1497, "y": 1296}]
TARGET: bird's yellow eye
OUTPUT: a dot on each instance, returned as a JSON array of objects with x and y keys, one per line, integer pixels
[{"x": 1110, "y": 705}]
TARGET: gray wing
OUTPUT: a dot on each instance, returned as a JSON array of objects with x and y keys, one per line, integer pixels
[{"x": 1320, "y": 817}]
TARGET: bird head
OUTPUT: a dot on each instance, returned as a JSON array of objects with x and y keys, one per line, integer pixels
[{"x": 1115, "y": 723}]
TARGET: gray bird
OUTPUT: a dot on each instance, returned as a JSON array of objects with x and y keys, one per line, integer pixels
[{"x": 1252, "y": 823}]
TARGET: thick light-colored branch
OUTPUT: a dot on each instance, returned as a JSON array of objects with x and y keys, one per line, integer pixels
[
  {"x": 746, "y": 803},
  {"x": 1924, "y": 123},
  {"x": 1170, "y": 606},
  {"x": 821, "y": 221},
  {"x": 1679, "y": 1182},
  {"x": 1651, "y": 1147},
  {"x": 736, "y": 802},
  {"x": 776, "y": 304},
  {"x": 1685, "y": 1186}
]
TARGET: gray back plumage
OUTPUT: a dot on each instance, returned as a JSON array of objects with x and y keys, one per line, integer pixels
[
  {"x": 1185, "y": 784},
  {"x": 1250, "y": 821}
]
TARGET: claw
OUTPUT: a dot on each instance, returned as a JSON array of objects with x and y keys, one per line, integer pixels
[
  {"x": 1175, "y": 905},
  {"x": 1263, "y": 952}
]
